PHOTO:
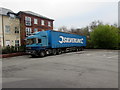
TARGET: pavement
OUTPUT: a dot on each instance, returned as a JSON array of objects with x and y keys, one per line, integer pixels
[
  {"x": 12, "y": 54},
  {"x": 83, "y": 69}
]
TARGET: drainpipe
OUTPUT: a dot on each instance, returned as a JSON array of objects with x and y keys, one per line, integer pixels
[{"x": 3, "y": 32}]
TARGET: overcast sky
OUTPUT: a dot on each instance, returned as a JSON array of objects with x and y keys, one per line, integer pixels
[{"x": 70, "y": 13}]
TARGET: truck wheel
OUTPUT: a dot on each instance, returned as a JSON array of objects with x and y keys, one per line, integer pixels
[
  {"x": 82, "y": 49},
  {"x": 54, "y": 52},
  {"x": 42, "y": 53},
  {"x": 59, "y": 51},
  {"x": 77, "y": 50},
  {"x": 33, "y": 56},
  {"x": 66, "y": 50},
  {"x": 47, "y": 52}
]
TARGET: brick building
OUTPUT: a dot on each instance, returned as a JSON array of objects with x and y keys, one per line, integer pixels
[{"x": 32, "y": 22}]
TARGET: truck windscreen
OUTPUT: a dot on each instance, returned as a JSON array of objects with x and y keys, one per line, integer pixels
[{"x": 31, "y": 41}]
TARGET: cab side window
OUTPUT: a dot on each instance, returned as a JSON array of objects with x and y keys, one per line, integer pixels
[{"x": 39, "y": 40}]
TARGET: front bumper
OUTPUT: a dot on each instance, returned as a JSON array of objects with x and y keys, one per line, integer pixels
[{"x": 31, "y": 52}]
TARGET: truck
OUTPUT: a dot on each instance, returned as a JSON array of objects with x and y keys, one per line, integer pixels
[{"x": 52, "y": 42}]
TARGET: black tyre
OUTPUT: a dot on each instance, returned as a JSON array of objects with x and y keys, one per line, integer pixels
[
  {"x": 59, "y": 51},
  {"x": 42, "y": 53},
  {"x": 54, "y": 51},
  {"x": 33, "y": 56},
  {"x": 77, "y": 49},
  {"x": 47, "y": 52},
  {"x": 66, "y": 50},
  {"x": 82, "y": 49}
]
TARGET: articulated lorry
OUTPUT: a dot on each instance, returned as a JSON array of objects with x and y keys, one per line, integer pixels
[{"x": 53, "y": 42}]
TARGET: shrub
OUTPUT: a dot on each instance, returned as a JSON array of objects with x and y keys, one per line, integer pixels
[
  {"x": 12, "y": 49},
  {"x": 104, "y": 36}
]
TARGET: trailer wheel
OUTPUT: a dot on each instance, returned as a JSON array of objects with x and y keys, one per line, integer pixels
[
  {"x": 59, "y": 51},
  {"x": 82, "y": 49},
  {"x": 42, "y": 53},
  {"x": 47, "y": 52},
  {"x": 54, "y": 52},
  {"x": 77, "y": 49},
  {"x": 33, "y": 56},
  {"x": 66, "y": 50}
]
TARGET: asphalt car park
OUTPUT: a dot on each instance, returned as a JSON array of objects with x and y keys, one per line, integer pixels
[{"x": 83, "y": 69}]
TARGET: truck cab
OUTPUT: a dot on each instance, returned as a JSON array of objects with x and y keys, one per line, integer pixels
[{"x": 36, "y": 42}]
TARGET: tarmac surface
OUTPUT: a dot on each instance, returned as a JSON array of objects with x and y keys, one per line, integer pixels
[{"x": 83, "y": 69}]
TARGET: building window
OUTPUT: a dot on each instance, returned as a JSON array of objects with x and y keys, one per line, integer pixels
[
  {"x": 28, "y": 21},
  {"x": 35, "y": 21},
  {"x": 16, "y": 30},
  {"x": 17, "y": 43},
  {"x": 12, "y": 16},
  {"x": 49, "y": 24},
  {"x": 7, "y": 43},
  {"x": 28, "y": 31},
  {"x": 35, "y": 30},
  {"x": 7, "y": 29},
  {"x": 42, "y": 22}
]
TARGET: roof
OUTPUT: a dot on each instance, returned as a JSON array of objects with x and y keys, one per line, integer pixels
[
  {"x": 4, "y": 11},
  {"x": 35, "y": 14}
]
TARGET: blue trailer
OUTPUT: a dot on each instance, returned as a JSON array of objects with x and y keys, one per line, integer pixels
[{"x": 53, "y": 42}]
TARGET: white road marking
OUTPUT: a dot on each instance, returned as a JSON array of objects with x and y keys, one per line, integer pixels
[
  {"x": 88, "y": 54},
  {"x": 113, "y": 56}
]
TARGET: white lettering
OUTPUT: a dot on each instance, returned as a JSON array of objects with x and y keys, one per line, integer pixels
[
  {"x": 70, "y": 40},
  {"x": 61, "y": 40}
]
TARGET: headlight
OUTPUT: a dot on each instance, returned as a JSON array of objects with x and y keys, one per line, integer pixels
[{"x": 28, "y": 48}]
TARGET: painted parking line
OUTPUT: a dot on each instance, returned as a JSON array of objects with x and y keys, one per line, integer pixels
[{"x": 113, "y": 56}]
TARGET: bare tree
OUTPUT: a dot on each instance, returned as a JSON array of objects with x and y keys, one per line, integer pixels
[
  {"x": 63, "y": 29},
  {"x": 94, "y": 24}
]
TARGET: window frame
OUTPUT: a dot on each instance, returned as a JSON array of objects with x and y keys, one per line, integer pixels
[
  {"x": 12, "y": 16},
  {"x": 28, "y": 21},
  {"x": 49, "y": 24},
  {"x": 35, "y": 21},
  {"x": 6, "y": 42},
  {"x": 42, "y": 22},
  {"x": 16, "y": 30},
  {"x": 6, "y": 29},
  {"x": 28, "y": 31},
  {"x": 18, "y": 43}
]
